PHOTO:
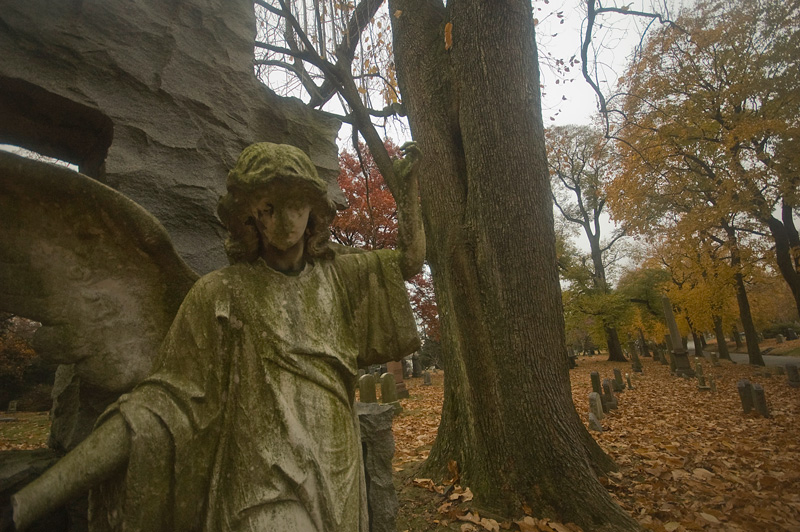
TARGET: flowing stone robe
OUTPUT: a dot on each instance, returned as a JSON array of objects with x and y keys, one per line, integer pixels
[{"x": 248, "y": 423}]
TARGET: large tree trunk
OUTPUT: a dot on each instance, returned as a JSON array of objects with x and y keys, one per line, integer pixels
[
  {"x": 722, "y": 343},
  {"x": 615, "y": 353},
  {"x": 508, "y": 419},
  {"x": 787, "y": 251}
]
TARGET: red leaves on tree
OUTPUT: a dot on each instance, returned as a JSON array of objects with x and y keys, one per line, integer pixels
[{"x": 370, "y": 222}]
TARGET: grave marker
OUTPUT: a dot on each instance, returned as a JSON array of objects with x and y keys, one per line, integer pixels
[
  {"x": 596, "y": 405},
  {"x": 760, "y": 400},
  {"x": 608, "y": 395},
  {"x": 594, "y": 423},
  {"x": 745, "y": 395},
  {"x": 426, "y": 378},
  {"x": 792, "y": 375},
  {"x": 366, "y": 389},
  {"x": 619, "y": 384},
  {"x": 389, "y": 392}
]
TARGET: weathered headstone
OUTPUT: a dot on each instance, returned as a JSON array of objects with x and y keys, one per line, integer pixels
[
  {"x": 701, "y": 378},
  {"x": 628, "y": 379},
  {"x": 594, "y": 423},
  {"x": 426, "y": 378},
  {"x": 12, "y": 407},
  {"x": 760, "y": 400},
  {"x": 598, "y": 389},
  {"x": 619, "y": 384},
  {"x": 792, "y": 375},
  {"x": 679, "y": 358},
  {"x": 636, "y": 364},
  {"x": 396, "y": 368},
  {"x": 596, "y": 386},
  {"x": 596, "y": 405},
  {"x": 416, "y": 371},
  {"x": 389, "y": 392},
  {"x": 780, "y": 339},
  {"x": 712, "y": 383},
  {"x": 714, "y": 358},
  {"x": 608, "y": 395},
  {"x": 377, "y": 443},
  {"x": 791, "y": 334},
  {"x": 745, "y": 390},
  {"x": 366, "y": 389}
]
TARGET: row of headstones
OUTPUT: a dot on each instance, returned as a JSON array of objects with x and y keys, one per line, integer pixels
[
  {"x": 368, "y": 394},
  {"x": 754, "y": 398},
  {"x": 602, "y": 399}
]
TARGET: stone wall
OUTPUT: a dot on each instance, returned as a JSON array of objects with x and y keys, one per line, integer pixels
[{"x": 155, "y": 98}]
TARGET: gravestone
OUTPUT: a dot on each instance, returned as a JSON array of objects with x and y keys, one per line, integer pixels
[
  {"x": 594, "y": 423},
  {"x": 780, "y": 339},
  {"x": 416, "y": 370},
  {"x": 12, "y": 407},
  {"x": 791, "y": 334},
  {"x": 714, "y": 358},
  {"x": 596, "y": 405},
  {"x": 701, "y": 378},
  {"x": 366, "y": 389},
  {"x": 426, "y": 378},
  {"x": 679, "y": 361},
  {"x": 628, "y": 378},
  {"x": 745, "y": 390},
  {"x": 792, "y": 375},
  {"x": 760, "y": 400},
  {"x": 608, "y": 395},
  {"x": 396, "y": 369},
  {"x": 618, "y": 383},
  {"x": 598, "y": 389},
  {"x": 636, "y": 364},
  {"x": 712, "y": 383},
  {"x": 377, "y": 444},
  {"x": 389, "y": 392}
]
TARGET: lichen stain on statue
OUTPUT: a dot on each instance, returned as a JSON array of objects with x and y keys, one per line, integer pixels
[{"x": 247, "y": 422}]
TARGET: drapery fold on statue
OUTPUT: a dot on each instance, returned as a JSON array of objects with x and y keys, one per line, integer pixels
[{"x": 248, "y": 422}]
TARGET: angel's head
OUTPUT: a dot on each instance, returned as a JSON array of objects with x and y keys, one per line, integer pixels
[{"x": 268, "y": 178}]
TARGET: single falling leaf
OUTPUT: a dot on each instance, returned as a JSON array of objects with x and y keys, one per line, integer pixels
[
  {"x": 398, "y": 13},
  {"x": 448, "y": 35}
]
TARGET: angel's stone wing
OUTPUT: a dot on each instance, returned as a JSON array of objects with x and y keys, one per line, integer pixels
[{"x": 97, "y": 270}]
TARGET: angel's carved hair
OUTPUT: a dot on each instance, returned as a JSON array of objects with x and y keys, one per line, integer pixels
[{"x": 259, "y": 167}]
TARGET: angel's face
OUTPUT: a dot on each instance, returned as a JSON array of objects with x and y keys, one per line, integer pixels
[{"x": 281, "y": 217}]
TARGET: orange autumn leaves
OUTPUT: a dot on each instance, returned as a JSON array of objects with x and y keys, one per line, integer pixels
[{"x": 689, "y": 459}]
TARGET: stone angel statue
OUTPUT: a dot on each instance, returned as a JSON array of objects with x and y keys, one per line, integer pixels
[{"x": 232, "y": 394}]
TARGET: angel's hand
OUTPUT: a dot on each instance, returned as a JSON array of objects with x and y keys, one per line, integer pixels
[
  {"x": 405, "y": 172},
  {"x": 404, "y": 186}
]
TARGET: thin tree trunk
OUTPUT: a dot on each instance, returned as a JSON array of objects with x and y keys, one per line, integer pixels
[
  {"x": 508, "y": 419},
  {"x": 737, "y": 338},
  {"x": 722, "y": 343},
  {"x": 645, "y": 349},
  {"x": 750, "y": 334}
]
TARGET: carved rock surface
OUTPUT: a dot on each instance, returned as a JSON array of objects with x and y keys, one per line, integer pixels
[
  {"x": 378, "y": 449},
  {"x": 153, "y": 98}
]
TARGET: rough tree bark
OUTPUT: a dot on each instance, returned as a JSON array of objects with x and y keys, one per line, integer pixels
[
  {"x": 508, "y": 419},
  {"x": 750, "y": 334},
  {"x": 722, "y": 342}
]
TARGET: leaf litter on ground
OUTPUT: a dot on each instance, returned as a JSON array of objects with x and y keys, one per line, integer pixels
[{"x": 689, "y": 459}]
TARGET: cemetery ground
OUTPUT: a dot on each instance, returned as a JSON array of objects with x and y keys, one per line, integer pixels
[{"x": 688, "y": 459}]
